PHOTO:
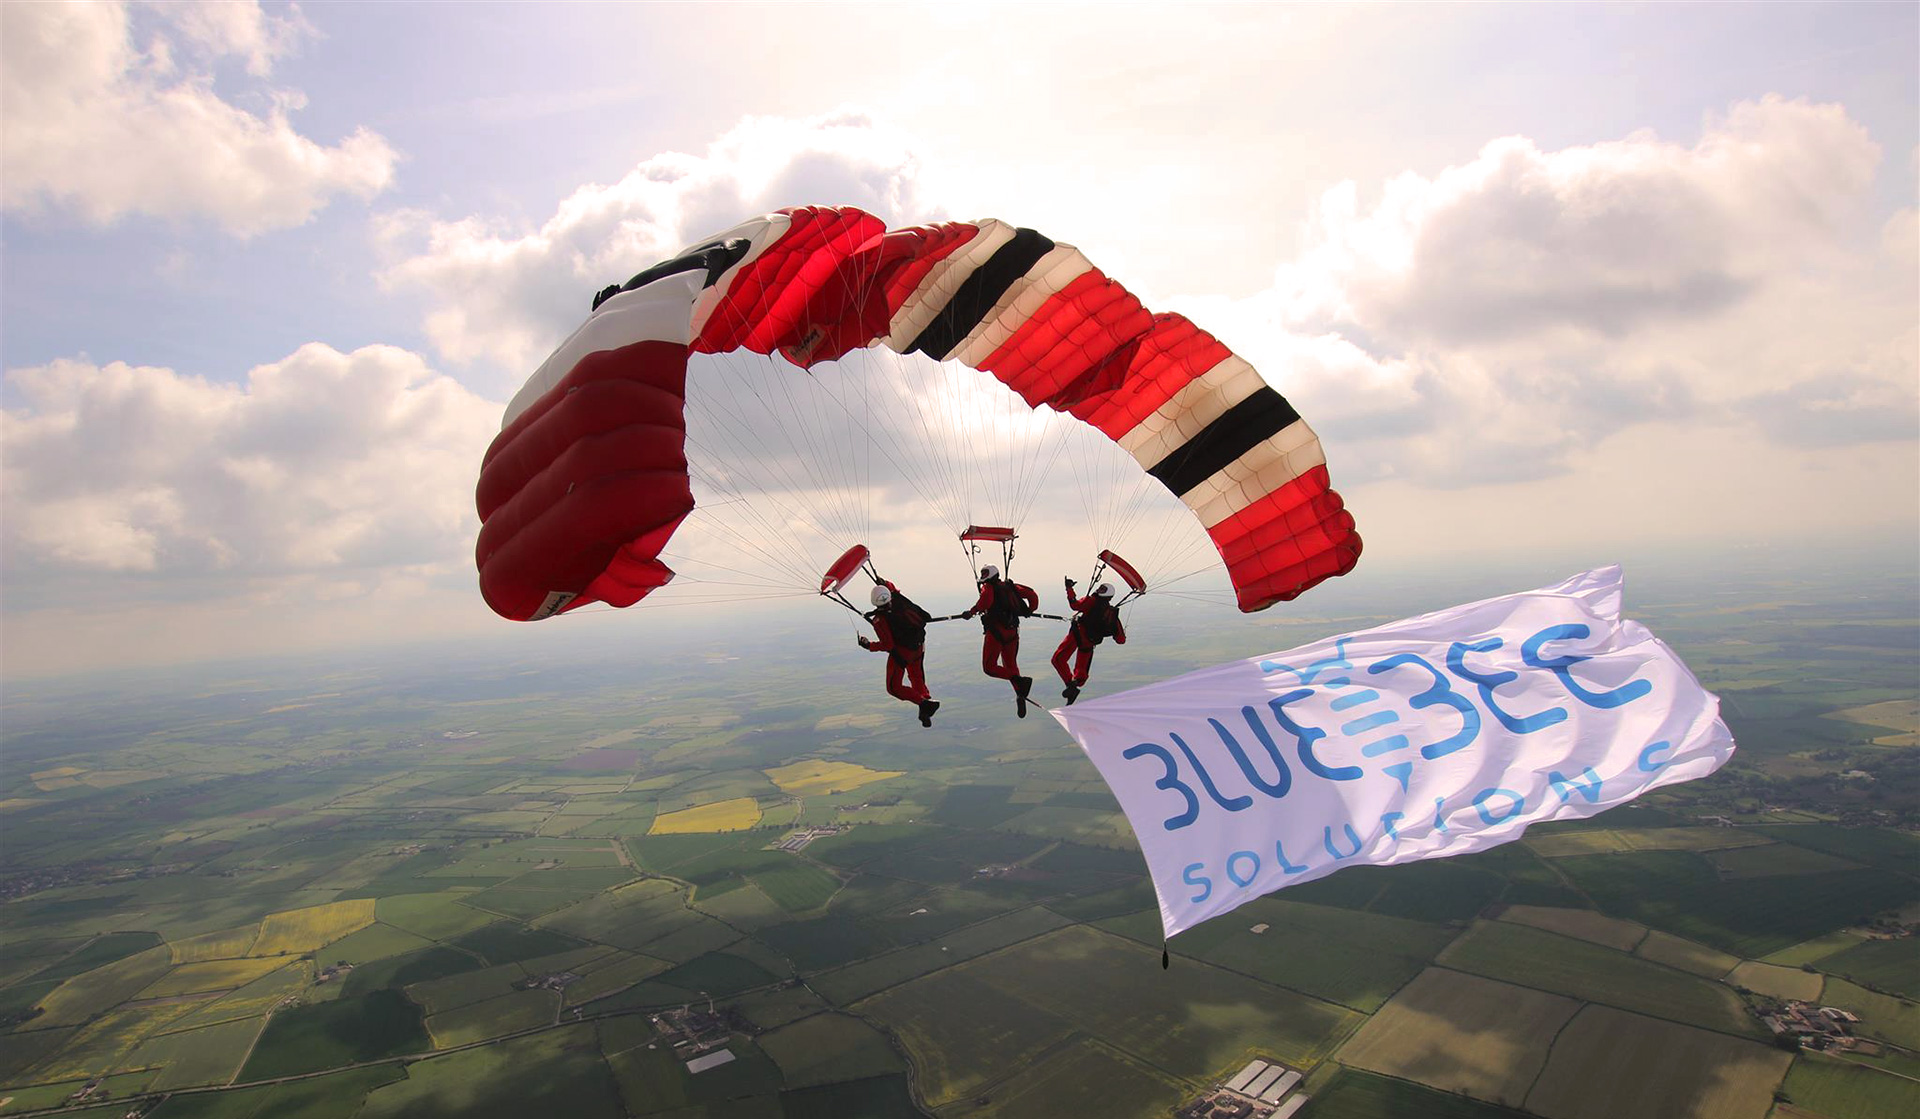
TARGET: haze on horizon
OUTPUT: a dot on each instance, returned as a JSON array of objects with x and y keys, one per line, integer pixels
[{"x": 1548, "y": 280}]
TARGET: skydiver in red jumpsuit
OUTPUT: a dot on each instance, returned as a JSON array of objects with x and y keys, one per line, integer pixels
[
  {"x": 1001, "y": 605},
  {"x": 1095, "y": 619},
  {"x": 901, "y": 626}
]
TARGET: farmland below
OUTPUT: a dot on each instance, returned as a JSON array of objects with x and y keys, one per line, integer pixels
[{"x": 498, "y": 883}]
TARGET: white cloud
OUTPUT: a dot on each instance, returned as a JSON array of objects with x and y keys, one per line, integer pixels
[
  {"x": 509, "y": 296},
  {"x": 1604, "y": 239},
  {"x": 1499, "y": 320},
  {"x": 330, "y": 464},
  {"x": 100, "y": 126}
]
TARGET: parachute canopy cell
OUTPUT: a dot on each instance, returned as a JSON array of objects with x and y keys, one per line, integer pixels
[
  {"x": 588, "y": 478},
  {"x": 843, "y": 569},
  {"x": 1125, "y": 570}
]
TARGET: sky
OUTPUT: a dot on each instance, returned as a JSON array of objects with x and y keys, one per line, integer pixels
[{"x": 1579, "y": 280}]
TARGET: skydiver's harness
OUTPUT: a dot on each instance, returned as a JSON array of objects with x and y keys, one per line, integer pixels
[
  {"x": 1007, "y": 608},
  {"x": 1099, "y": 621},
  {"x": 906, "y": 624}
]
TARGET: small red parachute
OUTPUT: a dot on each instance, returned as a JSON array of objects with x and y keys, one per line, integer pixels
[{"x": 588, "y": 478}]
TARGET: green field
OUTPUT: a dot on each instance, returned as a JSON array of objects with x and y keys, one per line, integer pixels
[
  {"x": 557, "y": 1073},
  {"x": 1084, "y": 1078},
  {"x": 1681, "y": 893},
  {"x": 1881, "y": 847},
  {"x": 1583, "y": 924},
  {"x": 1664, "y": 948},
  {"x": 1354, "y": 959},
  {"x": 1895, "y": 1019},
  {"x": 209, "y": 1055},
  {"x": 435, "y": 916},
  {"x": 1608, "y": 1063},
  {"x": 827, "y": 1048},
  {"x": 1815, "y": 950},
  {"x": 1780, "y": 982},
  {"x": 1776, "y": 859},
  {"x": 981, "y": 935},
  {"x": 967, "y": 1022},
  {"x": 1461, "y": 1033},
  {"x": 336, "y": 1096},
  {"x": 414, "y": 967},
  {"x": 346, "y": 1031},
  {"x": 1833, "y": 1087},
  {"x": 1588, "y": 972},
  {"x": 509, "y": 1013},
  {"x": 437, "y": 996},
  {"x": 1353, "y": 1094},
  {"x": 102, "y": 988},
  {"x": 857, "y": 981},
  {"x": 1885, "y": 965},
  {"x": 97, "y": 952}
]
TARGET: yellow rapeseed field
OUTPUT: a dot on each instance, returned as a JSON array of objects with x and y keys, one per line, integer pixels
[
  {"x": 214, "y": 975},
  {"x": 721, "y": 815},
  {"x": 305, "y": 930},
  {"x": 227, "y": 944},
  {"x": 814, "y": 776}
]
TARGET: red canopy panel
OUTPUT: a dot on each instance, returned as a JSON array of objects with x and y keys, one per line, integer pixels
[
  {"x": 1123, "y": 569},
  {"x": 588, "y": 479},
  {"x": 843, "y": 569}
]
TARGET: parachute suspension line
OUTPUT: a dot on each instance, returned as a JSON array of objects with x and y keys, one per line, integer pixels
[
  {"x": 789, "y": 561},
  {"x": 921, "y": 484},
  {"x": 792, "y": 564},
  {"x": 1045, "y": 473},
  {"x": 945, "y": 471},
  {"x": 750, "y": 507},
  {"x": 726, "y": 423},
  {"x": 813, "y": 461},
  {"x": 780, "y": 571}
]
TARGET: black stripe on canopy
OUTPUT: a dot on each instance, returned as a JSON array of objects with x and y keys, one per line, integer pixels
[
  {"x": 979, "y": 292},
  {"x": 1242, "y": 427}
]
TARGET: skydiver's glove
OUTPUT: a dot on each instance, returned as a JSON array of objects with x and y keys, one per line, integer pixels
[{"x": 864, "y": 643}]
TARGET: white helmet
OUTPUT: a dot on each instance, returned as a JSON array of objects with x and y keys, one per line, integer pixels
[
  {"x": 989, "y": 571},
  {"x": 1104, "y": 590},
  {"x": 881, "y": 596}
]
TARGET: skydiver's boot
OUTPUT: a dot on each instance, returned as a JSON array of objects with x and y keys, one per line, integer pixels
[
  {"x": 927, "y": 708},
  {"x": 1021, "y": 686},
  {"x": 1072, "y": 692}
]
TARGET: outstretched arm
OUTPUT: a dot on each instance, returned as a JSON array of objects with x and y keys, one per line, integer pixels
[
  {"x": 885, "y": 631},
  {"x": 1119, "y": 630},
  {"x": 980, "y": 604}
]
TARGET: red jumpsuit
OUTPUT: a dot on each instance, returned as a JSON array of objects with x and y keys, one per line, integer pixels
[
  {"x": 1001, "y": 627},
  {"x": 902, "y": 660},
  {"x": 1078, "y": 641}
]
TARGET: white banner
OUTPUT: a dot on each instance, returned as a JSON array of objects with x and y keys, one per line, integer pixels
[{"x": 1438, "y": 735}]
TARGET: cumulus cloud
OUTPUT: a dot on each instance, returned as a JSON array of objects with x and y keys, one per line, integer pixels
[
  {"x": 509, "y": 295},
  {"x": 1604, "y": 238},
  {"x": 1496, "y": 320},
  {"x": 107, "y": 115},
  {"x": 324, "y": 463}
]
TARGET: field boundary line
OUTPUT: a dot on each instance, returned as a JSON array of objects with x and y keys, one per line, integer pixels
[{"x": 1548, "y": 1059}]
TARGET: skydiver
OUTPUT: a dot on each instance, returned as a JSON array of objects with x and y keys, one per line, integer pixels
[
  {"x": 1095, "y": 619},
  {"x": 901, "y": 626},
  {"x": 1002, "y": 604}
]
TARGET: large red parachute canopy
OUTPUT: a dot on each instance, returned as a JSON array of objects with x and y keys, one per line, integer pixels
[{"x": 588, "y": 478}]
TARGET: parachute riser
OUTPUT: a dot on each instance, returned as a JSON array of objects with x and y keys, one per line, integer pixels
[{"x": 836, "y": 596}]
